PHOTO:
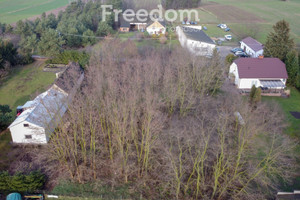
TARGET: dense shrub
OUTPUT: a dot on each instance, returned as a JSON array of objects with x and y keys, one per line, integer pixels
[
  {"x": 71, "y": 56},
  {"x": 67, "y": 188},
  {"x": 230, "y": 58},
  {"x": 5, "y": 116},
  {"x": 22, "y": 182},
  {"x": 8, "y": 53}
]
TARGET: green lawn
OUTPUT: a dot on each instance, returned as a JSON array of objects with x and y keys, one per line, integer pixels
[
  {"x": 13, "y": 10},
  {"x": 24, "y": 83},
  {"x": 288, "y": 105}
]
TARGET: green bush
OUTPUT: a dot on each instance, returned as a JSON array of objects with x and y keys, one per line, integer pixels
[
  {"x": 230, "y": 58},
  {"x": 71, "y": 56},
  {"x": 5, "y": 116},
  {"x": 22, "y": 182},
  {"x": 67, "y": 188},
  {"x": 255, "y": 95}
]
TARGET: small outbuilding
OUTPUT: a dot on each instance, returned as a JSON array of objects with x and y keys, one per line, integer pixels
[
  {"x": 252, "y": 47},
  {"x": 38, "y": 118}
]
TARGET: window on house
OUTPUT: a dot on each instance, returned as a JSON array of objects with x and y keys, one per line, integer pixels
[
  {"x": 28, "y": 136},
  {"x": 26, "y": 125}
]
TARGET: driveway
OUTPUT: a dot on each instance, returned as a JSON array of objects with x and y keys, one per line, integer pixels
[{"x": 224, "y": 50}]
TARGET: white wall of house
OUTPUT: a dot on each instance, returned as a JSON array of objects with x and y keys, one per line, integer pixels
[
  {"x": 19, "y": 133},
  {"x": 251, "y": 52},
  {"x": 248, "y": 83},
  {"x": 196, "y": 47},
  {"x": 200, "y": 48},
  {"x": 234, "y": 71}
]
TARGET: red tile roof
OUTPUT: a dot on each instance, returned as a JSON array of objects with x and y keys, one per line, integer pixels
[
  {"x": 261, "y": 68},
  {"x": 253, "y": 44}
]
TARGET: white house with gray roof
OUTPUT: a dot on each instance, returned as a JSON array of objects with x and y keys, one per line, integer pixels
[
  {"x": 195, "y": 40},
  {"x": 38, "y": 118},
  {"x": 252, "y": 47}
]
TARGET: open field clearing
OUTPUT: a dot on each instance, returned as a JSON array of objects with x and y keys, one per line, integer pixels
[
  {"x": 232, "y": 14},
  {"x": 265, "y": 13},
  {"x": 13, "y": 10},
  {"x": 23, "y": 82}
]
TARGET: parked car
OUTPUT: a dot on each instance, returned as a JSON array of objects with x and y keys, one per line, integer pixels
[
  {"x": 238, "y": 53},
  {"x": 241, "y": 54},
  {"x": 205, "y": 28},
  {"x": 244, "y": 55},
  {"x": 228, "y": 37},
  {"x": 227, "y": 29},
  {"x": 236, "y": 49},
  {"x": 223, "y": 26}
]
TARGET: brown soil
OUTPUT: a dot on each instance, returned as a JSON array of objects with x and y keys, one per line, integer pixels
[{"x": 231, "y": 14}]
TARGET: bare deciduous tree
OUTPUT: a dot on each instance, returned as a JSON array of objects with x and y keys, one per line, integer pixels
[{"x": 166, "y": 120}]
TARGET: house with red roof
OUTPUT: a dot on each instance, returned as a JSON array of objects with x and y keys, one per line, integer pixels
[
  {"x": 252, "y": 47},
  {"x": 267, "y": 73}
]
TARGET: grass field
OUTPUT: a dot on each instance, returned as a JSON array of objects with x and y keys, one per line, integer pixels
[
  {"x": 13, "y": 10},
  {"x": 289, "y": 105},
  {"x": 263, "y": 13},
  {"x": 24, "y": 83}
]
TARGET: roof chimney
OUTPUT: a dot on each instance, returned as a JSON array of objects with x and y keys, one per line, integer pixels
[{"x": 261, "y": 57}]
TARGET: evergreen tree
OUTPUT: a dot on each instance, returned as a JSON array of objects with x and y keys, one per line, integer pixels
[
  {"x": 292, "y": 67},
  {"x": 230, "y": 58},
  {"x": 50, "y": 43},
  {"x": 5, "y": 116},
  {"x": 28, "y": 45},
  {"x": 279, "y": 42},
  {"x": 252, "y": 93},
  {"x": 8, "y": 28},
  {"x": 88, "y": 38},
  {"x": 257, "y": 95},
  {"x": 16, "y": 183},
  {"x": 4, "y": 179},
  {"x": 8, "y": 53},
  {"x": 104, "y": 29}
]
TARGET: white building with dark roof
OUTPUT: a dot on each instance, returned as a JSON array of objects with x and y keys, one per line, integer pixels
[
  {"x": 38, "y": 118},
  {"x": 252, "y": 47},
  {"x": 195, "y": 40},
  {"x": 267, "y": 73}
]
